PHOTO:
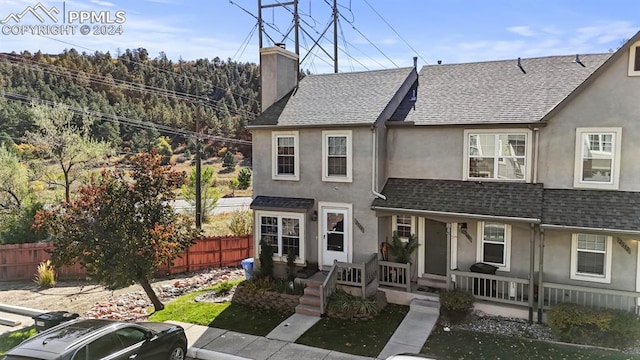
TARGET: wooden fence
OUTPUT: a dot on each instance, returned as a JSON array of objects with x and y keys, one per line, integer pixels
[{"x": 20, "y": 262}]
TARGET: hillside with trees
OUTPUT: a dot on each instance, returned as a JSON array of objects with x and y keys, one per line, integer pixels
[{"x": 120, "y": 92}]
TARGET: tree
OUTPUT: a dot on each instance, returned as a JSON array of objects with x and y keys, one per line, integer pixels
[
  {"x": 122, "y": 230},
  {"x": 164, "y": 148},
  {"x": 14, "y": 182},
  {"x": 69, "y": 145},
  {"x": 229, "y": 161},
  {"x": 244, "y": 178},
  {"x": 209, "y": 195}
]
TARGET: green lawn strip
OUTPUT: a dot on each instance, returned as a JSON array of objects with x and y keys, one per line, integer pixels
[
  {"x": 11, "y": 339},
  {"x": 186, "y": 309},
  {"x": 248, "y": 320},
  {"x": 364, "y": 337},
  {"x": 461, "y": 344}
]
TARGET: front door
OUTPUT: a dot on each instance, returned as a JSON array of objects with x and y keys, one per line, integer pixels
[
  {"x": 435, "y": 250},
  {"x": 335, "y": 244}
]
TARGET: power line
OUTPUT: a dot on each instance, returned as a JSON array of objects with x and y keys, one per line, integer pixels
[
  {"x": 394, "y": 30},
  {"x": 29, "y": 100}
]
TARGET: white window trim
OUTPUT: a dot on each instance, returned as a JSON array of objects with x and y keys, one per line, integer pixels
[
  {"x": 274, "y": 155},
  {"x": 527, "y": 155},
  {"x": 632, "y": 59},
  {"x": 325, "y": 152},
  {"x": 507, "y": 247},
  {"x": 615, "y": 172},
  {"x": 291, "y": 215},
  {"x": 394, "y": 227},
  {"x": 575, "y": 275}
]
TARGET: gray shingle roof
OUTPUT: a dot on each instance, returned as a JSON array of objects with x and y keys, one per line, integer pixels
[
  {"x": 277, "y": 202},
  {"x": 503, "y": 199},
  {"x": 334, "y": 99},
  {"x": 596, "y": 209},
  {"x": 497, "y": 91}
]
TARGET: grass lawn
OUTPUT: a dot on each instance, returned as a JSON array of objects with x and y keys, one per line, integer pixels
[
  {"x": 366, "y": 338},
  {"x": 11, "y": 339},
  {"x": 461, "y": 344}
]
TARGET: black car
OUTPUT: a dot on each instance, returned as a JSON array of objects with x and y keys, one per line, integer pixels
[{"x": 97, "y": 339}]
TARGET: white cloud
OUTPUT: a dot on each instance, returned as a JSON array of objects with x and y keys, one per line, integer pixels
[
  {"x": 103, "y": 3},
  {"x": 522, "y": 30}
]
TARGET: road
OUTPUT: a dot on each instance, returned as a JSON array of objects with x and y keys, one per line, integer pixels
[{"x": 224, "y": 205}]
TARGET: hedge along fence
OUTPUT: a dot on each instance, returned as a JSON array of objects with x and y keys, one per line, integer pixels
[{"x": 20, "y": 262}]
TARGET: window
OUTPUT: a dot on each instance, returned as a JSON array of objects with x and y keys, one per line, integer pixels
[
  {"x": 283, "y": 231},
  {"x": 634, "y": 59},
  {"x": 597, "y": 157},
  {"x": 494, "y": 244},
  {"x": 591, "y": 257},
  {"x": 404, "y": 225},
  {"x": 336, "y": 156},
  {"x": 496, "y": 154},
  {"x": 286, "y": 157}
]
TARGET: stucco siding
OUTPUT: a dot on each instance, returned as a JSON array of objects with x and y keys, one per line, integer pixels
[
  {"x": 610, "y": 101},
  {"x": 425, "y": 152}
]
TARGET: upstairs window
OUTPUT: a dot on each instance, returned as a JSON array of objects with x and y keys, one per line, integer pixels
[
  {"x": 336, "y": 156},
  {"x": 634, "y": 59},
  {"x": 497, "y": 155},
  {"x": 597, "y": 158},
  {"x": 286, "y": 159}
]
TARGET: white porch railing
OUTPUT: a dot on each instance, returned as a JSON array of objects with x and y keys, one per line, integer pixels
[
  {"x": 493, "y": 287},
  {"x": 394, "y": 274},
  {"x": 351, "y": 274},
  {"x": 590, "y": 297}
]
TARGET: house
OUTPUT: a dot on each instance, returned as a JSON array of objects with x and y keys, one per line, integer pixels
[{"x": 519, "y": 178}]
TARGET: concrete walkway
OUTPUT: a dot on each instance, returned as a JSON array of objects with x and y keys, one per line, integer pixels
[{"x": 208, "y": 343}]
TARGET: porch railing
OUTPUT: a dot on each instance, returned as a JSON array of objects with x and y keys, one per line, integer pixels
[
  {"x": 327, "y": 288},
  {"x": 493, "y": 287},
  {"x": 590, "y": 297},
  {"x": 394, "y": 274},
  {"x": 351, "y": 274}
]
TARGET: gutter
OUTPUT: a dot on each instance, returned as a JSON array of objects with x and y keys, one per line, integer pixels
[
  {"x": 583, "y": 228},
  {"x": 311, "y": 126},
  {"x": 464, "y": 215},
  {"x": 374, "y": 165}
]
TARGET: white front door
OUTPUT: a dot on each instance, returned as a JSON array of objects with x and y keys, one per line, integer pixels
[{"x": 335, "y": 235}]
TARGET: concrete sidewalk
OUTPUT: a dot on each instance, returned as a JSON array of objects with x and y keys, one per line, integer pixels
[{"x": 206, "y": 343}]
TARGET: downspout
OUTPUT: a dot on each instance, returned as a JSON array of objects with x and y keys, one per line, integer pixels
[
  {"x": 374, "y": 164},
  {"x": 541, "y": 278},
  {"x": 532, "y": 270}
]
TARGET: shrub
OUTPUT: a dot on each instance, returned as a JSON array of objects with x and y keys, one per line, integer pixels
[
  {"x": 291, "y": 264},
  {"x": 229, "y": 161},
  {"x": 457, "y": 300},
  {"x": 266, "y": 259},
  {"x": 233, "y": 185},
  {"x": 241, "y": 222},
  {"x": 46, "y": 275},
  {"x": 349, "y": 306},
  {"x": 582, "y": 325},
  {"x": 402, "y": 250},
  {"x": 244, "y": 178},
  {"x": 223, "y": 288},
  {"x": 260, "y": 285}
]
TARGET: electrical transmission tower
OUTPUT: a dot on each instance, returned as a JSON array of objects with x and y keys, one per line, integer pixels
[{"x": 297, "y": 28}]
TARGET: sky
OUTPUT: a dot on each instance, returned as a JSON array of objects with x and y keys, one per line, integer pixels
[{"x": 372, "y": 34}]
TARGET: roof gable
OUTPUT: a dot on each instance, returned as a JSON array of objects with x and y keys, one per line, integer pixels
[{"x": 336, "y": 99}]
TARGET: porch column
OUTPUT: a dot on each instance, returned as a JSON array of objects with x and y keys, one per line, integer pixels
[
  {"x": 532, "y": 269},
  {"x": 448, "y": 256},
  {"x": 540, "y": 277}
]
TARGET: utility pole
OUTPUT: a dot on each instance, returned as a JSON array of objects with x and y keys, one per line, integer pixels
[
  {"x": 198, "y": 173},
  {"x": 335, "y": 36}
]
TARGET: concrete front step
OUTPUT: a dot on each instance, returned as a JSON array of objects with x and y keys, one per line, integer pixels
[
  {"x": 312, "y": 291},
  {"x": 308, "y": 310},
  {"x": 425, "y": 306},
  {"x": 310, "y": 300},
  {"x": 433, "y": 283}
]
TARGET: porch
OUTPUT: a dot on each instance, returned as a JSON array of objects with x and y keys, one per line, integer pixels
[{"x": 495, "y": 294}]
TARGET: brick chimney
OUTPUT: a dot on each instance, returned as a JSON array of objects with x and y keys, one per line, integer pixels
[{"x": 278, "y": 74}]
